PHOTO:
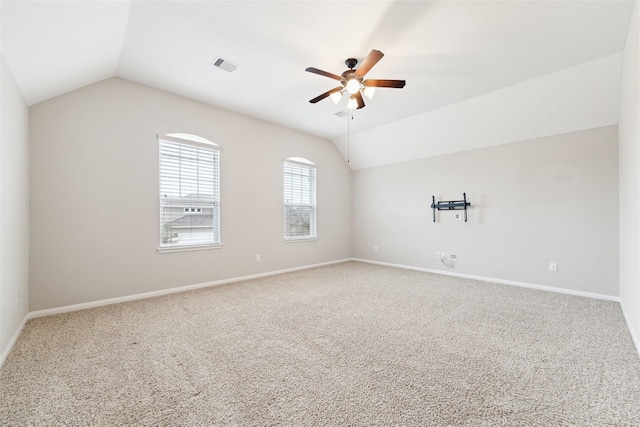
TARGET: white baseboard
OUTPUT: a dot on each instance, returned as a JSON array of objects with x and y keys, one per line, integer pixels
[
  {"x": 12, "y": 342},
  {"x": 99, "y": 303},
  {"x": 634, "y": 334},
  {"x": 109, "y": 301},
  {"x": 92, "y": 304},
  {"x": 493, "y": 280}
]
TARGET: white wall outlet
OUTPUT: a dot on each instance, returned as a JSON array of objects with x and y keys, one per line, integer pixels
[
  {"x": 453, "y": 257},
  {"x": 457, "y": 216},
  {"x": 444, "y": 255},
  {"x": 375, "y": 248},
  {"x": 553, "y": 267},
  {"x": 258, "y": 258},
  {"x": 438, "y": 255}
]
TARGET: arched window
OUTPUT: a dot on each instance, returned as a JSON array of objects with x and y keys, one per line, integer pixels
[
  {"x": 189, "y": 193},
  {"x": 299, "y": 199}
]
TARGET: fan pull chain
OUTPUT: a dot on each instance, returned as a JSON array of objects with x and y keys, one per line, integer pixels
[{"x": 349, "y": 118}]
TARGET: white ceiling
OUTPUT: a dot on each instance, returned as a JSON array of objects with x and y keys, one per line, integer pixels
[{"x": 447, "y": 51}]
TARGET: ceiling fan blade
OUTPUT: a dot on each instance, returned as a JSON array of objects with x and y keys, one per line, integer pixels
[
  {"x": 323, "y": 73},
  {"x": 398, "y": 84},
  {"x": 326, "y": 94},
  {"x": 368, "y": 63},
  {"x": 359, "y": 99}
]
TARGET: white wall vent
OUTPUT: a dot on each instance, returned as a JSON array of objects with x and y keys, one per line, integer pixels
[{"x": 225, "y": 64}]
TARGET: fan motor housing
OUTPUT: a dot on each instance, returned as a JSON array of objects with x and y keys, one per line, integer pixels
[{"x": 350, "y": 74}]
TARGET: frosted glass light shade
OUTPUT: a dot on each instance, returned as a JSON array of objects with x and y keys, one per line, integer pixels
[
  {"x": 336, "y": 97},
  {"x": 369, "y": 91},
  {"x": 352, "y": 104}
]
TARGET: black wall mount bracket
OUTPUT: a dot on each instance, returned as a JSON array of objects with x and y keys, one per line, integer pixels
[{"x": 450, "y": 205}]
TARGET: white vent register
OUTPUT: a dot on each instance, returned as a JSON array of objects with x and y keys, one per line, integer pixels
[{"x": 224, "y": 64}]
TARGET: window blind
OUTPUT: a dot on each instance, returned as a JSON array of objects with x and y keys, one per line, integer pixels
[
  {"x": 189, "y": 194},
  {"x": 299, "y": 200}
]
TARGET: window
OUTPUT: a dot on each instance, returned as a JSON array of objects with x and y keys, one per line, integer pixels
[
  {"x": 189, "y": 193},
  {"x": 299, "y": 199}
]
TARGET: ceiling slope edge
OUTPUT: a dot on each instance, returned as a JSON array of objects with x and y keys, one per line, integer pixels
[{"x": 576, "y": 98}]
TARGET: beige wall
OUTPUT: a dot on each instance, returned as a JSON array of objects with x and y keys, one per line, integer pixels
[
  {"x": 552, "y": 199},
  {"x": 630, "y": 180},
  {"x": 94, "y": 195},
  {"x": 14, "y": 209}
]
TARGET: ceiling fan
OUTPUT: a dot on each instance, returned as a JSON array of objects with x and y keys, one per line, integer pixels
[{"x": 353, "y": 81}]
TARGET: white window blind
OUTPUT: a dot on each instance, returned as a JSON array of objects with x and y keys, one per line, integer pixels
[
  {"x": 189, "y": 193},
  {"x": 299, "y": 200}
]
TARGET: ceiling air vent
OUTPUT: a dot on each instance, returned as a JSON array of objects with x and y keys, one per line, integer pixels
[
  {"x": 225, "y": 64},
  {"x": 341, "y": 114}
]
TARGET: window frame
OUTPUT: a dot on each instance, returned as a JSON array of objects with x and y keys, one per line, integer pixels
[
  {"x": 197, "y": 143},
  {"x": 313, "y": 226}
]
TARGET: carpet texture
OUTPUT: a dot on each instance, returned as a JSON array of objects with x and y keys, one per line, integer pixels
[{"x": 348, "y": 344}]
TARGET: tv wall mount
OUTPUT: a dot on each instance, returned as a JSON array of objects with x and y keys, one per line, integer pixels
[{"x": 450, "y": 205}]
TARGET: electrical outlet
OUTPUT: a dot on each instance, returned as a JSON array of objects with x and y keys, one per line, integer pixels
[
  {"x": 457, "y": 216},
  {"x": 438, "y": 255},
  {"x": 444, "y": 255},
  {"x": 553, "y": 267},
  {"x": 17, "y": 299},
  {"x": 258, "y": 258},
  {"x": 453, "y": 257}
]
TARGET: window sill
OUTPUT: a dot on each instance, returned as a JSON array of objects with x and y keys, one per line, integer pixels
[
  {"x": 300, "y": 239},
  {"x": 188, "y": 248}
]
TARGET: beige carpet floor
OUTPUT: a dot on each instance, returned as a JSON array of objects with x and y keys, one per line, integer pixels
[{"x": 348, "y": 344}]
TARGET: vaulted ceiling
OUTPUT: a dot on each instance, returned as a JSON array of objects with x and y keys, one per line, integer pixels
[{"x": 447, "y": 51}]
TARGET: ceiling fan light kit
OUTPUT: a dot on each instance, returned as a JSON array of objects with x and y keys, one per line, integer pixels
[
  {"x": 352, "y": 86},
  {"x": 353, "y": 82}
]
